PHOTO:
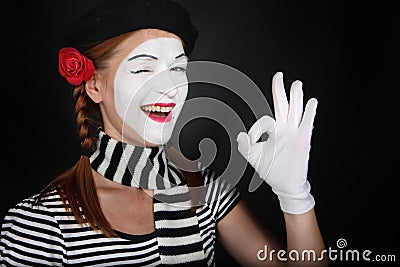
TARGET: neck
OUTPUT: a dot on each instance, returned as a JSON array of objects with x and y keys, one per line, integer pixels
[
  {"x": 139, "y": 167},
  {"x": 132, "y": 138}
]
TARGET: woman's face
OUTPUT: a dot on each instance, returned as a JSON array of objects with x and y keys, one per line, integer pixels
[{"x": 149, "y": 86}]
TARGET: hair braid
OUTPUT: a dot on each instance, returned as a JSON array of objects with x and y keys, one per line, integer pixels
[{"x": 86, "y": 116}]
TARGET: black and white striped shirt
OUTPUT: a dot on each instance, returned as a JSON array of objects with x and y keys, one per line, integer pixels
[{"x": 46, "y": 235}]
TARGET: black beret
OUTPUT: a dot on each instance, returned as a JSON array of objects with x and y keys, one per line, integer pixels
[{"x": 115, "y": 17}]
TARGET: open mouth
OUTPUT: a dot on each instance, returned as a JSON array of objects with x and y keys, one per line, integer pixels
[{"x": 159, "y": 112}]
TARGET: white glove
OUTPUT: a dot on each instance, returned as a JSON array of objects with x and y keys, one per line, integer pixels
[{"x": 282, "y": 160}]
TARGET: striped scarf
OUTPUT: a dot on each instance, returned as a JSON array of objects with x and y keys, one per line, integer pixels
[{"x": 176, "y": 226}]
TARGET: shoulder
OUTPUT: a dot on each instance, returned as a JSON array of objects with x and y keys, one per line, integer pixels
[
  {"x": 215, "y": 184},
  {"x": 220, "y": 195},
  {"x": 32, "y": 203},
  {"x": 37, "y": 203},
  {"x": 33, "y": 214},
  {"x": 30, "y": 234}
]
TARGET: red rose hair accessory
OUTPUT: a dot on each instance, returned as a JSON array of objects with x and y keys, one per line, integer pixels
[{"x": 74, "y": 66}]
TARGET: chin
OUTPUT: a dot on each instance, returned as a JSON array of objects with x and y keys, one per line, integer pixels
[{"x": 157, "y": 137}]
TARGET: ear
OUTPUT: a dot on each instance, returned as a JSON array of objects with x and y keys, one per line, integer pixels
[{"x": 94, "y": 89}]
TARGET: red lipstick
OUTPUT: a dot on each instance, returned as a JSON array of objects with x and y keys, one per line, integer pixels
[{"x": 159, "y": 112}]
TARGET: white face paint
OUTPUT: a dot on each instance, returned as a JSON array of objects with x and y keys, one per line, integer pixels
[{"x": 150, "y": 87}]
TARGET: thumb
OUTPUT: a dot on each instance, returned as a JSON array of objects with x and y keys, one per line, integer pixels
[
  {"x": 243, "y": 143},
  {"x": 265, "y": 124}
]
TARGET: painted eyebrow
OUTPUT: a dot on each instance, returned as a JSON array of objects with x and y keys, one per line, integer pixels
[
  {"x": 142, "y": 55},
  {"x": 179, "y": 56}
]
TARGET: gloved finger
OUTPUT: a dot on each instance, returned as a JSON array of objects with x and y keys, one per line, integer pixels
[
  {"x": 296, "y": 103},
  {"x": 280, "y": 101},
  {"x": 309, "y": 115},
  {"x": 243, "y": 143},
  {"x": 265, "y": 124}
]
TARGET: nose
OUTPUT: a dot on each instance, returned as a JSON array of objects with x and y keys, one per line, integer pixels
[
  {"x": 167, "y": 85},
  {"x": 171, "y": 93}
]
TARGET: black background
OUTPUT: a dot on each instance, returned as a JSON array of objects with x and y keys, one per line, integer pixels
[{"x": 345, "y": 53}]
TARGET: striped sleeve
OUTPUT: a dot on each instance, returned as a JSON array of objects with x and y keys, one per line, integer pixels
[
  {"x": 30, "y": 236},
  {"x": 221, "y": 196}
]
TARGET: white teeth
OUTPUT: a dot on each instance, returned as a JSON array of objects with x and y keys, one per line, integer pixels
[{"x": 156, "y": 108}]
